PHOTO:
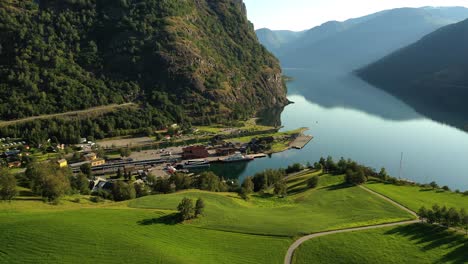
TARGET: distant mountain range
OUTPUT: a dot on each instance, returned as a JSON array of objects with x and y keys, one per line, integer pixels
[
  {"x": 276, "y": 40},
  {"x": 431, "y": 75},
  {"x": 355, "y": 43}
]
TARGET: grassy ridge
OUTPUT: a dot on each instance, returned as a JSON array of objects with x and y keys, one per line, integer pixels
[
  {"x": 414, "y": 197},
  {"x": 305, "y": 212},
  {"x": 406, "y": 244}
]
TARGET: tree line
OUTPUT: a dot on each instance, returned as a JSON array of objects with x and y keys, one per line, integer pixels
[{"x": 449, "y": 217}]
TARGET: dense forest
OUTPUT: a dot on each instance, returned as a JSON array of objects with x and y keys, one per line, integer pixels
[
  {"x": 431, "y": 75},
  {"x": 180, "y": 61}
]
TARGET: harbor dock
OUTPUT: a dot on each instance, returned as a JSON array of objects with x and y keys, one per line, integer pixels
[{"x": 301, "y": 141}]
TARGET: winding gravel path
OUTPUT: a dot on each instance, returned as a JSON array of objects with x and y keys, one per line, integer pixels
[{"x": 297, "y": 243}]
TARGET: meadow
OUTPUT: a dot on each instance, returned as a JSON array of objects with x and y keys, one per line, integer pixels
[
  {"x": 145, "y": 231},
  {"x": 37, "y": 233},
  {"x": 414, "y": 244},
  {"x": 302, "y": 212},
  {"x": 414, "y": 197}
]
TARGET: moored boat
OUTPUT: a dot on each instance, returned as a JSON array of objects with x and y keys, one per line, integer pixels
[{"x": 237, "y": 157}]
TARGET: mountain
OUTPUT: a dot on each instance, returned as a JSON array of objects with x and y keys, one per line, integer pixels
[
  {"x": 176, "y": 59},
  {"x": 274, "y": 40},
  {"x": 354, "y": 43},
  {"x": 431, "y": 75}
]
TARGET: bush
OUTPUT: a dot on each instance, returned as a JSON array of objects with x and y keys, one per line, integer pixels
[
  {"x": 313, "y": 182},
  {"x": 296, "y": 167},
  {"x": 96, "y": 199},
  {"x": 186, "y": 209}
]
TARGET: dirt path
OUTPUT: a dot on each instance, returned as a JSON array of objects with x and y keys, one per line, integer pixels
[
  {"x": 297, "y": 243},
  {"x": 99, "y": 109}
]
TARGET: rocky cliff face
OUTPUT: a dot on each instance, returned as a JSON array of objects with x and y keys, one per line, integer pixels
[{"x": 196, "y": 56}]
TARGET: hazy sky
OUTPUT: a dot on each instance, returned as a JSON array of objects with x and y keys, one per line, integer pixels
[{"x": 305, "y": 14}]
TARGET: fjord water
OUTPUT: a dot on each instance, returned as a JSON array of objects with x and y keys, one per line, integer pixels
[{"x": 349, "y": 118}]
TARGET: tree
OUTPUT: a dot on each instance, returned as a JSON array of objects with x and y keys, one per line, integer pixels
[
  {"x": 122, "y": 191},
  {"x": 422, "y": 212},
  {"x": 313, "y": 182},
  {"x": 199, "y": 207},
  {"x": 281, "y": 189},
  {"x": 464, "y": 220},
  {"x": 80, "y": 183},
  {"x": 342, "y": 165},
  {"x": 317, "y": 166},
  {"x": 437, "y": 213},
  {"x": 186, "y": 210},
  {"x": 383, "y": 174},
  {"x": 330, "y": 165},
  {"x": 434, "y": 185},
  {"x": 181, "y": 181},
  {"x": 141, "y": 190},
  {"x": 248, "y": 185},
  {"x": 125, "y": 152},
  {"x": 431, "y": 217},
  {"x": 355, "y": 178},
  {"x": 243, "y": 194},
  {"x": 86, "y": 170},
  {"x": 8, "y": 189},
  {"x": 452, "y": 216},
  {"x": 119, "y": 173},
  {"x": 209, "y": 181},
  {"x": 48, "y": 180}
]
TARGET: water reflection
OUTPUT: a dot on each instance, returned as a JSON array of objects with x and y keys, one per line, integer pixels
[
  {"x": 335, "y": 89},
  {"x": 351, "y": 119}
]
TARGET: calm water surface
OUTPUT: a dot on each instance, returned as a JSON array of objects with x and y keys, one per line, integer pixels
[{"x": 349, "y": 118}]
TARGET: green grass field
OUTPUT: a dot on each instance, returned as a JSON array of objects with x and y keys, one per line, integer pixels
[
  {"x": 325, "y": 208},
  {"x": 143, "y": 231},
  {"x": 414, "y": 197},
  {"x": 405, "y": 244},
  {"x": 122, "y": 235}
]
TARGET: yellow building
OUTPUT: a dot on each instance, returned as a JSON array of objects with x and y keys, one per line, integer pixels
[
  {"x": 97, "y": 162},
  {"x": 62, "y": 163}
]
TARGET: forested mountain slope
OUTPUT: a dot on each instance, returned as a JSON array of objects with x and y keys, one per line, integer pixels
[
  {"x": 431, "y": 75},
  {"x": 177, "y": 59}
]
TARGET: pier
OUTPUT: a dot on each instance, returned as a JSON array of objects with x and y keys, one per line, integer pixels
[{"x": 301, "y": 141}]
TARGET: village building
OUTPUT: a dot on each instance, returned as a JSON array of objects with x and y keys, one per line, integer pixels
[
  {"x": 97, "y": 162},
  {"x": 195, "y": 152}
]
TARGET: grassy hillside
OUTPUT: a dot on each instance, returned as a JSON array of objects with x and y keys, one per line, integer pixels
[
  {"x": 144, "y": 231},
  {"x": 70, "y": 234},
  {"x": 314, "y": 210},
  {"x": 406, "y": 244},
  {"x": 414, "y": 197}
]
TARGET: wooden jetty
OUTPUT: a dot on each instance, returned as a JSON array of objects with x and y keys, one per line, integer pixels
[{"x": 301, "y": 141}]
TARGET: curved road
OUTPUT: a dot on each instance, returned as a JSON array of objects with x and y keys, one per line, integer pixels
[{"x": 297, "y": 243}]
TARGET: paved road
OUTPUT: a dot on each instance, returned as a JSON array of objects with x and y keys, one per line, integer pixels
[{"x": 297, "y": 243}]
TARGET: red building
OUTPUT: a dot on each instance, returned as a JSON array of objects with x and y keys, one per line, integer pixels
[{"x": 195, "y": 152}]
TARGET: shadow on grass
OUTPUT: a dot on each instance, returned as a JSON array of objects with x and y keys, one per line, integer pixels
[
  {"x": 434, "y": 237},
  {"x": 298, "y": 190},
  {"x": 170, "y": 219},
  {"x": 337, "y": 187}
]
